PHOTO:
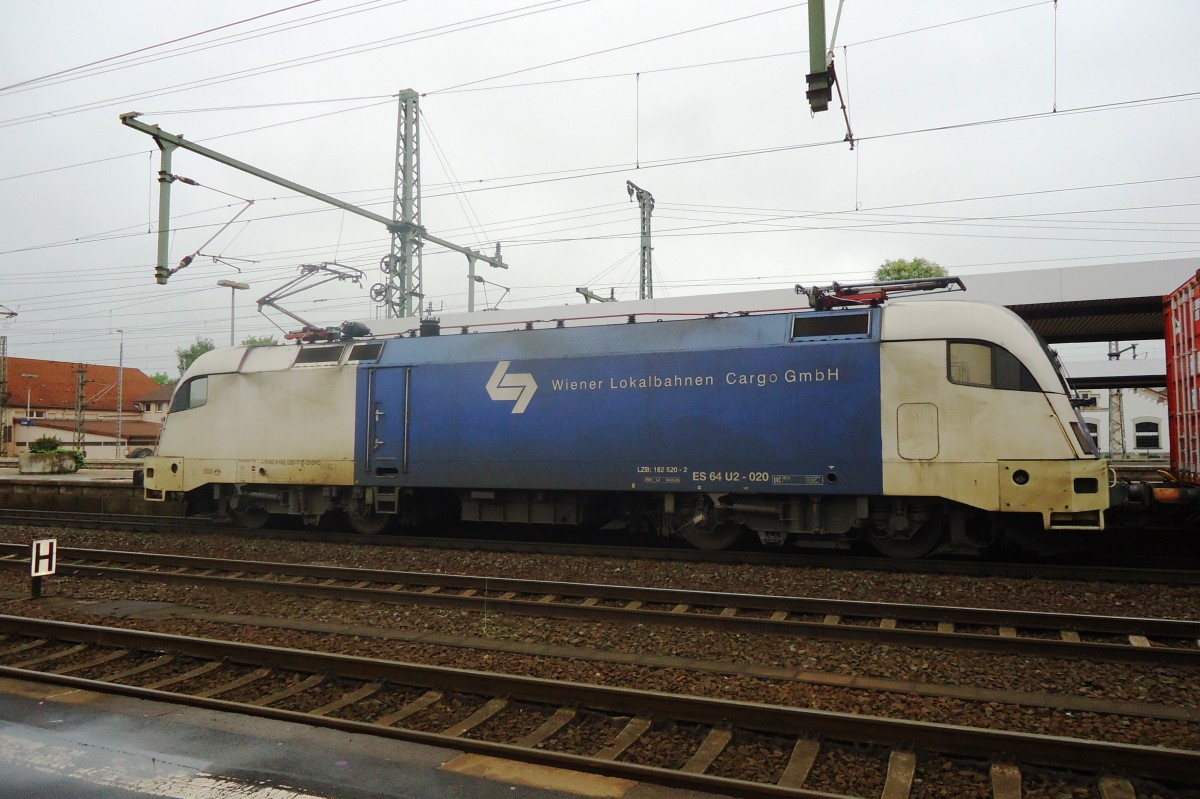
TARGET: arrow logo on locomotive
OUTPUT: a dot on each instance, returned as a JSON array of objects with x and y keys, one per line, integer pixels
[{"x": 519, "y": 386}]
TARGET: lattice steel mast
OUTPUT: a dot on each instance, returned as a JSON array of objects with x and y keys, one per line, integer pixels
[
  {"x": 80, "y": 435},
  {"x": 403, "y": 267},
  {"x": 646, "y": 203},
  {"x": 1116, "y": 404}
]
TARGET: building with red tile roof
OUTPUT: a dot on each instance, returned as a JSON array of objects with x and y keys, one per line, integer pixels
[
  {"x": 154, "y": 405},
  {"x": 62, "y": 399}
]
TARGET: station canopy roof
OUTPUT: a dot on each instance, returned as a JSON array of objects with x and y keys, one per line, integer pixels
[
  {"x": 1132, "y": 318},
  {"x": 1107, "y": 302}
]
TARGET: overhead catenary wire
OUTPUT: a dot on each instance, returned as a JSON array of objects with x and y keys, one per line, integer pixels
[
  {"x": 292, "y": 63},
  {"x": 723, "y": 62},
  {"x": 110, "y": 235},
  {"x": 464, "y": 204},
  {"x": 147, "y": 48},
  {"x": 386, "y": 98},
  {"x": 617, "y": 48},
  {"x": 326, "y": 16}
]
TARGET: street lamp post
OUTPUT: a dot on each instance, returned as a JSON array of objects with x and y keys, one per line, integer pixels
[
  {"x": 234, "y": 287},
  {"x": 28, "y": 390},
  {"x": 29, "y": 378}
]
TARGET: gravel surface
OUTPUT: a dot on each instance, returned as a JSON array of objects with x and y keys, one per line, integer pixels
[
  {"x": 1103, "y": 598},
  {"x": 1172, "y": 687}
]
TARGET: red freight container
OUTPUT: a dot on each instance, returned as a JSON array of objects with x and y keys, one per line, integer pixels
[{"x": 1182, "y": 330}]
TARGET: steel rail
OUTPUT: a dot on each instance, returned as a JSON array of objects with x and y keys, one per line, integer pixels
[
  {"x": 107, "y": 521},
  {"x": 844, "y": 620},
  {"x": 792, "y": 723},
  {"x": 1128, "y": 573}
]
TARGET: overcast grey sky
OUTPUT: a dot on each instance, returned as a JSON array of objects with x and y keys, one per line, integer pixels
[{"x": 991, "y": 135}]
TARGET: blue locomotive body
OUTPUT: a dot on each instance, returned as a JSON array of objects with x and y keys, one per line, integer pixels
[{"x": 735, "y": 404}]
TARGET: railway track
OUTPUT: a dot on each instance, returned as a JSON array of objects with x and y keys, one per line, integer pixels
[
  {"x": 1157, "y": 572},
  {"x": 734, "y": 748},
  {"x": 1149, "y": 641}
]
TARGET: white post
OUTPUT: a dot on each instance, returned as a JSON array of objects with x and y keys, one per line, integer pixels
[
  {"x": 28, "y": 393},
  {"x": 234, "y": 286},
  {"x": 29, "y": 377}
]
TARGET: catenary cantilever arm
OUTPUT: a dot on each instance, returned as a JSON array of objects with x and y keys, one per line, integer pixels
[{"x": 168, "y": 141}]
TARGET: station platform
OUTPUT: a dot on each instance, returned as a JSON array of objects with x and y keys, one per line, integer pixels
[
  {"x": 57, "y": 742},
  {"x": 104, "y": 475},
  {"x": 96, "y": 489}
]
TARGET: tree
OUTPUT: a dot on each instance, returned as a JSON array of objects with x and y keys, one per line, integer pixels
[
  {"x": 901, "y": 269},
  {"x": 187, "y": 355},
  {"x": 162, "y": 378},
  {"x": 259, "y": 341}
]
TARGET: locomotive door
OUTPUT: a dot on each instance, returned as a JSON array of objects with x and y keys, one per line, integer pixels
[{"x": 388, "y": 392}]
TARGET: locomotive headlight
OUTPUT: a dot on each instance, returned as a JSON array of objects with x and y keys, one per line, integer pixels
[{"x": 1020, "y": 477}]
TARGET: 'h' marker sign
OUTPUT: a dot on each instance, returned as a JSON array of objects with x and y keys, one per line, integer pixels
[{"x": 42, "y": 556}]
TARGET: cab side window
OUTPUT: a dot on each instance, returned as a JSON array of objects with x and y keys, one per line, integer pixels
[
  {"x": 975, "y": 363},
  {"x": 970, "y": 363},
  {"x": 191, "y": 394}
]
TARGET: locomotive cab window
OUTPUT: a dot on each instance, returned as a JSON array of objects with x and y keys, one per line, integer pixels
[
  {"x": 975, "y": 363},
  {"x": 191, "y": 394}
]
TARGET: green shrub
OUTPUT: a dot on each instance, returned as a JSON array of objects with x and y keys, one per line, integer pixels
[{"x": 50, "y": 444}]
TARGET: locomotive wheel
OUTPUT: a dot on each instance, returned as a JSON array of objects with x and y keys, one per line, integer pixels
[
  {"x": 722, "y": 536},
  {"x": 369, "y": 522},
  {"x": 250, "y": 518},
  {"x": 926, "y": 539}
]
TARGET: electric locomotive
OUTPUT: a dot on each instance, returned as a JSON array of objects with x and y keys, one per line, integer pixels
[{"x": 915, "y": 426}]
